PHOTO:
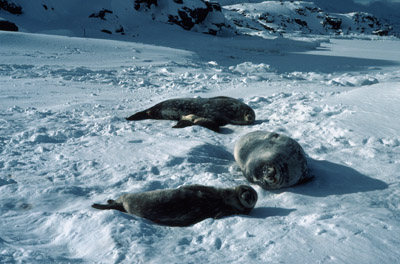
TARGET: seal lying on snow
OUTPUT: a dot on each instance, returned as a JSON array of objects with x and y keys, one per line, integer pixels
[
  {"x": 271, "y": 160},
  {"x": 186, "y": 205},
  {"x": 207, "y": 112}
]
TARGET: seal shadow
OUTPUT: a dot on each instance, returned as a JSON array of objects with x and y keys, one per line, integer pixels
[
  {"x": 335, "y": 179},
  {"x": 211, "y": 154},
  {"x": 264, "y": 212},
  {"x": 225, "y": 130},
  {"x": 260, "y": 121}
]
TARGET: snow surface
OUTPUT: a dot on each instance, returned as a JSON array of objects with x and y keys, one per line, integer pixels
[{"x": 65, "y": 144}]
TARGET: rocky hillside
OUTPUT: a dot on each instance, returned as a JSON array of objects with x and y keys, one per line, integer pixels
[
  {"x": 197, "y": 15},
  {"x": 277, "y": 17},
  {"x": 119, "y": 17},
  {"x": 116, "y": 16}
]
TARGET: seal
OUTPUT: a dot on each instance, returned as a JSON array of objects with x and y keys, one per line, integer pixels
[
  {"x": 206, "y": 112},
  {"x": 271, "y": 160},
  {"x": 185, "y": 205}
]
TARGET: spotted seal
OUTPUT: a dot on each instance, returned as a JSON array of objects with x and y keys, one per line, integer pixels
[
  {"x": 186, "y": 205},
  {"x": 207, "y": 112},
  {"x": 271, "y": 160}
]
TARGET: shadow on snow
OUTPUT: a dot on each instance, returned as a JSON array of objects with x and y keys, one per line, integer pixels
[
  {"x": 282, "y": 54},
  {"x": 335, "y": 179}
]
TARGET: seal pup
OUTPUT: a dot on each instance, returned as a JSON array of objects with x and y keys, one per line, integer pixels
[
  {"x": 206, "y": 112},
  {"x": 185, "y": 205},
  {"x": 271, "y": 160}
]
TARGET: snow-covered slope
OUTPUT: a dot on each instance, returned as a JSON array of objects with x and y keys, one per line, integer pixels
[
  {"x": 118, "y": 17},
  {"x": 304, "y": 17}
]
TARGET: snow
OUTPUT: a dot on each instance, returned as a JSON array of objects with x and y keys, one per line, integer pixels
[{"x": 65, "y": 144}]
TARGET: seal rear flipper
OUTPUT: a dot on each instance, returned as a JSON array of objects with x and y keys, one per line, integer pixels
[
  {"x": 138, "y": 116},
  {"x": 112, "y": 205}
]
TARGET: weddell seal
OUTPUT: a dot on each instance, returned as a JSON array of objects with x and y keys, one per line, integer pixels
[
  {"x": 207, "y": 112},
  {"x": 271, "y": 160},
  {"x": 185, "y": 205}
]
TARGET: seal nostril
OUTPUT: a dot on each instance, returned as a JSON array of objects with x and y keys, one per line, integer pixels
[{"x": 269, "y": 171}]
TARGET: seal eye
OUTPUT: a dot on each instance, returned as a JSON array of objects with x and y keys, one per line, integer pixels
[{"x": 248, "y": 117}]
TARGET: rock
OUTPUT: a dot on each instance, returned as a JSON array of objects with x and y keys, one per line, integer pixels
[
  {"x": 141, "y": 5},
  {"x": 195, "y": 15},
  {"x": 106, "y": 31},
  {"x": 8, "y": 26},
  {"x": 10, "y": 7},
  {"x": 101, "y": 14},
  {"x": 333, "y": 22},
  {"x": 275, "y": 17}
]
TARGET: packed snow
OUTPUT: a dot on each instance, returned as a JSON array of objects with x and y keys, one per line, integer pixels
[{"x": 65, "y": 144}]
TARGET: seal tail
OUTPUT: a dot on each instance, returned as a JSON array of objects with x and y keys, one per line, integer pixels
[
  {"x": 138, "y": 116},
  {"x": 111, "y": 205}
]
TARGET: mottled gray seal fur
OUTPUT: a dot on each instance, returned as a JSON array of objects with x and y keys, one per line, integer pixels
[
  {"x": 186, "y": 205},
  {"x": 271, "y": 160},
  {"x": 207, "y": 112}
]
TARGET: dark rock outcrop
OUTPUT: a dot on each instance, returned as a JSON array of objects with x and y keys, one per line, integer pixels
[
  {"x": 302, "y": 17},
  {"x": 196, "y": 15},
  {"x": 8, "y": 26},
  {"x": 332, "y": 22},
  {"x": 10, "y": 7},
  {"x": 101, "y": 14}
]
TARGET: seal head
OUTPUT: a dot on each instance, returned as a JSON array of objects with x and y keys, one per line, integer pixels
[{"x": 271, "y": 160}]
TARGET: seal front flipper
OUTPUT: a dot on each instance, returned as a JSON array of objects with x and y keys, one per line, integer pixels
[
  {"x": 138, "y": 116},
  {"x": 111, "y": 204},
  {"x": 207, "y": 123},
  {"x": 183, "y": 123},
  {"x": 190, "y": 120}
]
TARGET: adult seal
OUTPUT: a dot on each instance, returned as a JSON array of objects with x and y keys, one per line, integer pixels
[
  {"x": 186, "y": 205},
  {"x": 207, "y": 112},
  {"x": 271, "y": 160}
]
